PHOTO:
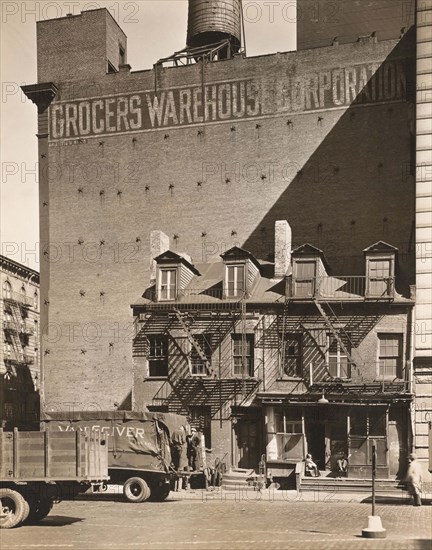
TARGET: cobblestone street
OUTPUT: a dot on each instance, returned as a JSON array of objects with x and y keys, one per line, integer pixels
[{"x": 212, "y": 524}]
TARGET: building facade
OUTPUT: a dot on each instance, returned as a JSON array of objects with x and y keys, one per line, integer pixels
[
  {"x": 19, "y": 345},
  {"x": 278, "y": 362},
  {"x": 214, "y": 151}
]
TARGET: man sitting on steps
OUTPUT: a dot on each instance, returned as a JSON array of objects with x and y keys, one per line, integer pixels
[{"x": 311, "y": 468}]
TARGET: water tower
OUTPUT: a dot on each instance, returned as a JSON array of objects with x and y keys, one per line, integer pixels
[{"x": 214, "y": 21}]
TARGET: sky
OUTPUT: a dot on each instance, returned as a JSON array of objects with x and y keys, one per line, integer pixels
[{"x": 155, "y": 29}]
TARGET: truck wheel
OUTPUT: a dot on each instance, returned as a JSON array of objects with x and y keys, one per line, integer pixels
[
  {"x": 136, "y": 489},
  {"x": 13, "y": 508},
  {"x": 160, "y": 494},
  {"x": 39, "y": 509}
]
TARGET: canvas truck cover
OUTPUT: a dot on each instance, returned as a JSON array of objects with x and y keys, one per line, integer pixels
[{"x": 136, "y": 440}]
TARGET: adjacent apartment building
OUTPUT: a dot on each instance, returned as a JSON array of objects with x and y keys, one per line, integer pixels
[{"x": 19, "y": 345}]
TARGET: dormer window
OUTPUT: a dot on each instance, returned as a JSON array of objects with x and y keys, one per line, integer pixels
[
  {"x": 380, "y": 269},
  {"x": 241, "y": 272},
  {"x": 305, "y": 278},
  {"x": 309, "y": 267},
  {"x": 235, "y": 284},
  {"x": 173, "y": 275},
  {"x": 168, "y": 284}
]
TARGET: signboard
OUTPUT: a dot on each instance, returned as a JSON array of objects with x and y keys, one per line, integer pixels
[{"x": 339, "y": 87}]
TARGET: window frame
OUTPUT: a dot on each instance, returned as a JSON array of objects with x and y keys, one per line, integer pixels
[
  {"x": 372, "y": 279},
  {"x": 7, "y": 289},
  {"x": 237, "y": 291},
  {"x": 298, "y": 358},
  {"x": 399, "y": 358},
  {"x": 339, "y": 354},
  {"x": 170, "y": 288},
  {"x": 249, "y": 357},
  {"x": 303, "y": 280},
  {"x": 162, "y": 359},
  {"x": 204, "y": 341}
]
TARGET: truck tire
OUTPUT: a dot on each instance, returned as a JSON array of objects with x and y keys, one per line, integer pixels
[
  {"x": 159, "y": 494},
  {"x": 135, "y": 489},
  {"x": 39, "y": 509},
  {"x": 13, "y": 508}
]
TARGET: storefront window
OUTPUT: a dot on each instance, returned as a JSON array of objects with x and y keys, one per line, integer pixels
[{"x": 285, "y": 435}]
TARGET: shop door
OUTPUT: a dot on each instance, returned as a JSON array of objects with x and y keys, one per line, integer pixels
[
  {"x": 247, "y": 442},
  {"x": 317, "y": 443}
]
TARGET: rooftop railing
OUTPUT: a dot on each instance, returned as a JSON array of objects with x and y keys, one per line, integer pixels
[{"x": 342, "y": 288}]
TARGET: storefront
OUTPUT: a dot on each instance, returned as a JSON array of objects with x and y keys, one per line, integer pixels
[{"x": 331, "y": 430}]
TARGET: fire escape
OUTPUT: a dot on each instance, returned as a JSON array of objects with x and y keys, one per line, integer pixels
[
  {"x": 17, "y": 331},
  {"x": 204, "y": 325}
]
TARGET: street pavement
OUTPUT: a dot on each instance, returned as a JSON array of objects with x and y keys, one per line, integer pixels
[{"x": 204, "y": 521}]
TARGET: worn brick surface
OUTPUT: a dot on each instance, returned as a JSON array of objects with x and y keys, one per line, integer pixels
[{"x": 340, "y": 160}]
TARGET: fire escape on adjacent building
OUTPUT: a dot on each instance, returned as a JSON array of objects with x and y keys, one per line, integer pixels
[{"x": 17, "y": 330}]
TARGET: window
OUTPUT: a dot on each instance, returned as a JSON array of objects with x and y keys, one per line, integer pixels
[
  {"x": 122, "y": 58},
  {"x": 390, "y": 355},
  {"x": 198, "y": 365},
  {"x": 35, "y": 299},
  {"x": 235, "y": 280},
  {"x": 7, "y": 349},
  {"x": 158, "y": 356},
  {"x": 243, "y": 348},
  {"x": 285, "y": 430},
  {"x": 7, "y": 289},
  {"x": 291, "y": 362},
  {"x": 337, "y": 360},
  {"x": 305, "y": 273},
  {"x": 110, "y": 68},
  {"x": 380, "y": 280},
  {"x": 168, "y": 284}
]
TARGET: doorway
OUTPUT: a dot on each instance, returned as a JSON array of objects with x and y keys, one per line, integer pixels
[{"x": 247, "y": 445}]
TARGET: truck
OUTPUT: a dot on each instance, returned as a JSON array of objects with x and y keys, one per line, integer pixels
[
  {"x": 40, "y": 468},
  {"x": 139, "y": 447}
]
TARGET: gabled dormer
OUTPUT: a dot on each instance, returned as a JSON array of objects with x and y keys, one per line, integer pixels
[
  {"x": 241, "y": 271},
  {"x": 380, "y": 266},
  {"x": 308, "y": 266},
  {"x": 174, "y": 272}
]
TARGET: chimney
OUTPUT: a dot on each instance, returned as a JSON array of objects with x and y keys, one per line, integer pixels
[
  {"x": 283, "y": 239},
  {"x": 159, "y": 243}
]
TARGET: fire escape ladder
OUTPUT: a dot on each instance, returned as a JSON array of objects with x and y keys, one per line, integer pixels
[
  {"x": 193, "y": 342},
  {"x": 334, "y": 331},
  {"x": 15, "y": 334}
]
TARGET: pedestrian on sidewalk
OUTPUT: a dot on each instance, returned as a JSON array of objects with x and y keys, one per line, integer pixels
[{"x": 414, "y": 479}]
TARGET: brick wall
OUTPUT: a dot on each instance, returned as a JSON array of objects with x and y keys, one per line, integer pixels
[{"x": 106, "y": 194}]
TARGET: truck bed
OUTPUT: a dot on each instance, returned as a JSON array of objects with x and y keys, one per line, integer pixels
[{"x": 52, "y": 456}]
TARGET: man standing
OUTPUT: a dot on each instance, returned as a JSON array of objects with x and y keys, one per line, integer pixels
[{"x": 414, "y": 479}]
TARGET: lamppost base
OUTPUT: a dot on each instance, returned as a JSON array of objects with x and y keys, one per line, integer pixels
[{"x": 374, "y": 530}]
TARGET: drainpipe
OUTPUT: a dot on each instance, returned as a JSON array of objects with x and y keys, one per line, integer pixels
[{"x": 411, "y": 378}]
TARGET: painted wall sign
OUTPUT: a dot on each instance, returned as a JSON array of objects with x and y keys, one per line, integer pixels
[{"x": 225, "y": 101}]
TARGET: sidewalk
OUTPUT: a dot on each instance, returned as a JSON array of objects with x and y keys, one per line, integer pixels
[{"x": 269, "y": 495}]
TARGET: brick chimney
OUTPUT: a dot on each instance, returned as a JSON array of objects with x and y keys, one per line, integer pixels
[
  {"x": 159, "y": 243},
  {"x": 283, "y": 241}
]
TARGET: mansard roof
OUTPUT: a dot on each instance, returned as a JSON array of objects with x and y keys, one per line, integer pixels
[
  {"x": 237, "y": 253},
  {"x": 169, "y": 257}
]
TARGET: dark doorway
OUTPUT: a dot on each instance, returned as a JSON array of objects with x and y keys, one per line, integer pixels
[
  {"x": 315, "y": 433},
  {"x": 247, "y": 442}
]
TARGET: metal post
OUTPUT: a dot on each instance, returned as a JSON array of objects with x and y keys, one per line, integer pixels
[{"x": 374, "y": 457}]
